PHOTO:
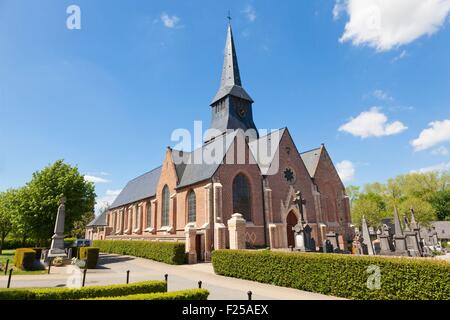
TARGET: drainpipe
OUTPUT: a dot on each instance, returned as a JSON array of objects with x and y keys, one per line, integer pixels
[
  {"x": 212, "y": 215},
  {"x": 264, "y": 210}
]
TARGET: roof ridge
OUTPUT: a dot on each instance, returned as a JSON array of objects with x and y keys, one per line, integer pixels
[
  {"x": 311, "y": 150},
  {"x": 145, "y": 173}
]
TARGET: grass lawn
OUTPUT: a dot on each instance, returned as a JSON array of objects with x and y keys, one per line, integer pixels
[{"x": 9, "y": 254}]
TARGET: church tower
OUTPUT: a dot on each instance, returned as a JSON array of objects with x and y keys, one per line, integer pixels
[{"x": 232, "y": 105}]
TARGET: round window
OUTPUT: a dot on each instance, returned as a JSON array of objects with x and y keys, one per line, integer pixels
[{"x": 289, "y": 175}]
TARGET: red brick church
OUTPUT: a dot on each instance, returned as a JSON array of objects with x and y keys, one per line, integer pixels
[{"x": 189, "y": 200}]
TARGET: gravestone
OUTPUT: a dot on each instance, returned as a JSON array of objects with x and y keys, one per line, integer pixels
[
  {"x": 334, "y": 240},
  {"x": 366, "y": 238},
  {"x": 303, "y": 240},
  {"x": 57, "y": 246},
  {"x": 327, "y": 246},
  {"x": 385, "y": 241},
  {"x": 399, "y": 237}
]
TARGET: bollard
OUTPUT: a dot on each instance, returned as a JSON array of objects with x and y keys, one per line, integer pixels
[
  {"x": 249, "y": 295},
  {"x": 6, "y": 268},
  {"x": 9, "y": 278},
  {"x": 50, "y": 262},
  {"x": 200, "y": 284},
  {"x": 84, "y": 277},
  {"x": 166, "y": 276},
  {"x": 128, "y": 276}
]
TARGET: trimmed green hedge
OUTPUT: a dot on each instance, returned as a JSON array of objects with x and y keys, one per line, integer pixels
[
  {"x": 89, "y": 254},
  {"x": 167, "y": 252},
  {"x": 24, "y": 258},
  {"x": 339, "y": 275},
  {"x": 12, "y": 244},
  {"x": 192, "y": 294},
  {"x": 84, "y": 293}
]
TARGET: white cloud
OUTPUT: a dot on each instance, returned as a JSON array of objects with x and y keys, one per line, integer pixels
[
  {"x": 169, "y": 21},
  {"x": 438, "y": 132},
  {"x": 346, "y": 170},
  {"x": 338, "y": 8},
  {"x": 372, "y": 123},
  {"x": 400, "y": 56},
  {"x": 250, "y": 13},
  {"x": 387, "y": 24},
  {"x": 442, "y": 167},
  {"x": 382, "y": 95},
  {"x": 95, "y": 179},
  {"x": 441, "y": 151},
  {"x": 106, "y": 200}
]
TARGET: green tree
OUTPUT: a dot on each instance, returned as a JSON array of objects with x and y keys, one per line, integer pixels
[
  {"x": 79, "y": 227},
  {"x": 423, "y": 210},
  {"x": 353, "y": 193},
  {"x": 370, "y": 205},
  {"x": 6, "y": 213},
  {"x": 44, "y": 192},
  {"x": 441, "y": 204}
]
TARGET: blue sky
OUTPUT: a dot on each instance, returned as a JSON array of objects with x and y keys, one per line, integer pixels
[{"x": 359, "y": 77}]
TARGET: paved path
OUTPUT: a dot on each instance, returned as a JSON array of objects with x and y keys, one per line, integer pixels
[{"x": 113, "y": 271}]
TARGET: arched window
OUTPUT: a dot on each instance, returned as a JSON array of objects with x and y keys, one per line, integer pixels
[
  {"x": 192, "y": 206},
  {"x": 149, "y": 214},
  {"x": 241, "y": 197},
  {"x": 165, "y": 207}
]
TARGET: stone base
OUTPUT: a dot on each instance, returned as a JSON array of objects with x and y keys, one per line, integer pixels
[{"x": 53, "y": 253}]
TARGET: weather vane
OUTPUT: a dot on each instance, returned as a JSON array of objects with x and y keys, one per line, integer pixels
[{"x": 229, "y": 16}]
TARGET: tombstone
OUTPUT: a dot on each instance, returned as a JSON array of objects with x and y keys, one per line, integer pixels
[
  {"x": 357, "y": 244},
  {"x": 385, "y": 246},
  {"x": 366, "y": 238},
  {"x": 57, "y": 246},
  {"x": 399, "y": 237},
  {"x": 412, "y": 244},
  {"x": 303, "y": 240},
  {"x": 327, "y": 246},
  {"x": 333, "y": 237}
]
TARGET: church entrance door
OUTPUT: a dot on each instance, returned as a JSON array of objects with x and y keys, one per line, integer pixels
[
  {"x": 291, "y": 221},
  {"x": 198, "y": 248}
]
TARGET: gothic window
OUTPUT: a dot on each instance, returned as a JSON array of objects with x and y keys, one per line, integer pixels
[
  {"x": 165, "y": 206},
  {"x": 241, "y": 197},
  {"x": 192, "y": 206},
  {"x": 149, "y": 215},
  {"x": 289, "y": 175}
]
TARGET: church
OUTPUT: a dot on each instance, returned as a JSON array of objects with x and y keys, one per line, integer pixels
[{"x": 253, "y": 177}]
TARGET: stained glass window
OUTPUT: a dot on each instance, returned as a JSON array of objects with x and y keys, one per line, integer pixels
[
  {"x": 241, "y": 197},
  {"x": 165, "y": 206}
]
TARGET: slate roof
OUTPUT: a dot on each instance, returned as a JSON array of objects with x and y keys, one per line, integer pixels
[
  {"x": 311, "y": 160},
  {"x": 261, "y": 149},
  {"x": 139, "y": 188},
  {"x": 442, "y": 229},
  {"x": 99, "y": 221},
  {"x": 195, "y": 172},
  {"x": 231, "y": 83}
]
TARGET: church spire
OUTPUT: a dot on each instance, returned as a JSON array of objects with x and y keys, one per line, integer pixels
[
  {"x": 231, "y": 83},
  {"x": 230, "y": 72}
]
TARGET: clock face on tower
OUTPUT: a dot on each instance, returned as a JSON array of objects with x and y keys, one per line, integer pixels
[{"x": 242, "y": 111}]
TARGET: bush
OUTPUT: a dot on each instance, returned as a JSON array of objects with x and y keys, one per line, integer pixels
[
  {"x": 89, "y": 254},
  {"x": 192, "y": 294},
  {"x": 167, "y": 252},
  {"x": 84, "y": 293},
  {"x": 12, "y": 244},
  {"x": 24, "y": 258},
  {"x": 344, "y": 276}
]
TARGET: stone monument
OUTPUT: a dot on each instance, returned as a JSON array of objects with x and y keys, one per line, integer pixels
[
  {"x": 57, "y": 246},
  {"x": 385, "y": 241},
  {"x": 303, "y": 240},
  {"x": 399, "y": 238},
  {"x": 367, "y": 242}
]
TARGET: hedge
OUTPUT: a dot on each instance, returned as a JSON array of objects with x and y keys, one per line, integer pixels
[
  {"x": 192, "y": 294},
  {"x": 24, "y": 258},
  {"x": 89, "y": 254},
  {"x": 84, "y": 293},
  {"x": 14, "y": 244},
  {"x": 167, "y": 252},
  {"x": 339, "y": 275}
]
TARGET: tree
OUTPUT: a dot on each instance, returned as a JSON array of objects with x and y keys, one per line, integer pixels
[
  {"x": 372, "y": 207},
  {"x": 423, "y": 211},
  {"x": 79, "y": 227},
  {"x": 353, "y": 193},
  {"x": 44, "y": 192},
  {"x": 441, "y": 204},
  {"x": 6, "y": 212}
]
